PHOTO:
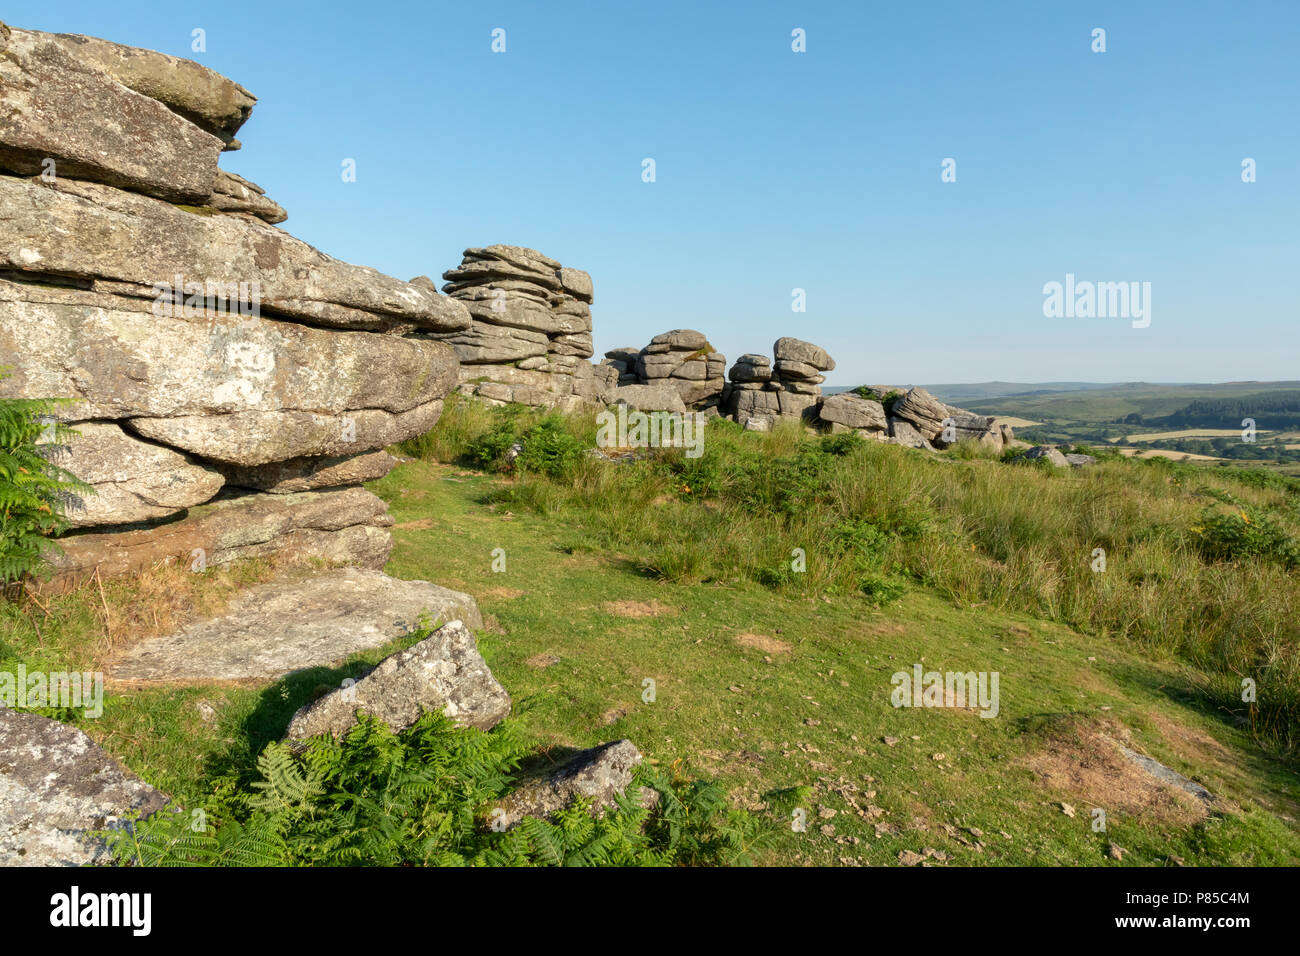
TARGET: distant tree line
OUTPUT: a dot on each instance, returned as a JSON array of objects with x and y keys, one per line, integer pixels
[{"x": 1273, "y": 411}]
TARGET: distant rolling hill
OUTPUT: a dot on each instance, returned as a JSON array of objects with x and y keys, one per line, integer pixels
[
  {"x": 1081, "y": 402},
  {"x": 1103, "y": 403}
]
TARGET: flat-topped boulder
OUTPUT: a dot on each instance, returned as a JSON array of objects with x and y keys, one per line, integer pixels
[
  {"x": 292, "y": 624},
  {"x": 443, "y": 673},
  {"x": 57, "y": 787}
]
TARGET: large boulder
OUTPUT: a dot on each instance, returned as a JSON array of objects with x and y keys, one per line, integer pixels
[
  {"x": 443, "y": 673},
  {"x": 291, "y": 624},
  {"x": 794, "y": 352},
  {"x": 89, "y": 231},
  {"x": 1048, "y": 453},
  {"x": 530, "y": 315},
  {"x": 597, "y": 775},
  {"x": 852, "y": 411},
  {"x": 925, "y": 412},
  {"x": 204, "y": 97},
  {"x": 56, "y": 109},
  {"x": 56, "y": 788},
  {"x": 131, "y": 480}
]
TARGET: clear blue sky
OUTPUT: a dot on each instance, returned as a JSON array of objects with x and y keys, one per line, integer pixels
[{"x": 778, "y": 170}]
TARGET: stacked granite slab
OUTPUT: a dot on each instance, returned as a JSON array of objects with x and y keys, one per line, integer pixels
[
  {"x": 681, "y": 360},
  {"x": 530, "y": 333},
  {"x": 231, "y": 385},
  {"x": 760, "y": 392}
]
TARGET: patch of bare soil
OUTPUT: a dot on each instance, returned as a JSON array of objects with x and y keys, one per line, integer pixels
[
  {"x": 771, "y": 645},
  {"x": 542, "y": 661},
  {"x": 637, "y": 608},
  {"x": 1082, "y": 759}
]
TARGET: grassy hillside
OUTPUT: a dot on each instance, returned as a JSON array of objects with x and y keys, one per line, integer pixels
[
  {"x": 767, "y": 679},
  {"x": 1110, "y": 402}
]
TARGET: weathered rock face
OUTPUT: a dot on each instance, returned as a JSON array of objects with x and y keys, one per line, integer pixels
[
  {"x": 133, "y": 480},
  {"x": 598, "y": 775},
  {"x": 206, "y": 98},
  {"x": 118, "y": 360},
  {"x": 310, "y": 474},
  {"x": 443, "y": 673},
  {"x": 923, "y": 411},
  {"x": 86, "y": 230},
  {"x": 648, "y": 398},
  {"x": 681, "y": 359},
  {"x": 852, "y": 412},
  {"x": 56, "y": 785},
  {"x": 62, "y": 117},
  {"x": 530, "y": 329},
  {"x": 344, "y": 525},
  {"x": 902, "y": 433},
  {"x": 199, "y": 345},
  {"x": 291, "y": 624}
]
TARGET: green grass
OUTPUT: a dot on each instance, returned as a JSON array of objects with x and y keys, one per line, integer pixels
[{"x": 816, "y": 715}]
